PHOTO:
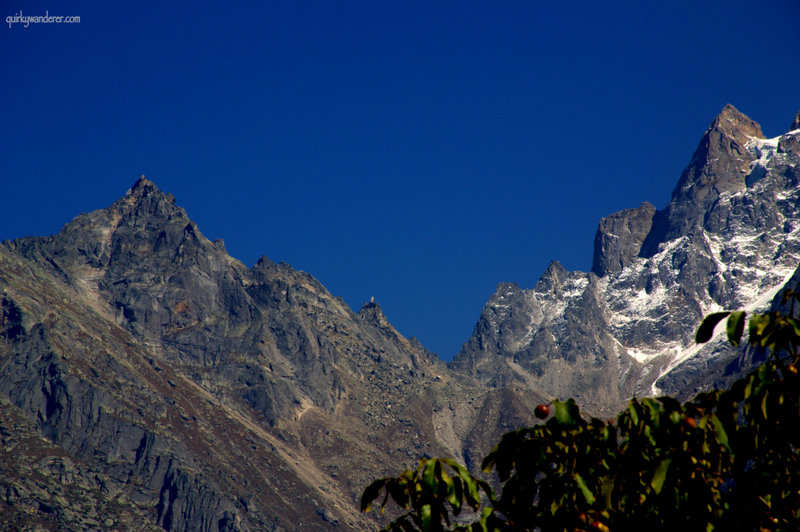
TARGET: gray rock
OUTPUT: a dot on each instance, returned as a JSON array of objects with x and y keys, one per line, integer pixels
[{"x": 619, "y": 238}]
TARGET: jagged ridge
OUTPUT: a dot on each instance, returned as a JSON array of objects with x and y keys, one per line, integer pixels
[
  {"x": 206, "y": 395},
  {"x": 727, "y": 239}
]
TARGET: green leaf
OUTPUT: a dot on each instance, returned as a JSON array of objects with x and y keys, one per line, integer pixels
[
  {"x": 472, "y": 495},
  {"x": 758, "y": 323},
  {"x": 587, "y": 493},
  {"x": 445, "y": 482},
  {"x": 429, "y": 474},
  {"x": 566, "y": 412},
  {"x": 425, "y": 514},
  {"x": 655, "y": 409},
  {"x": 485, "y": 514},
  {"x": 648, "y": 433},
  {"x": 735, "y": 327},
  {"x": 706, "y": 329},
  {"x": 795, "y": 327},
  {"x": 660, "y": 475},
  {"x": 722, "y": 435},
  {"x": 606, "y": 489},
  {"x": 632, "y": 412}
]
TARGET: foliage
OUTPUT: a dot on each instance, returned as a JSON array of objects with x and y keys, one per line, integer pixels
[
  {"x": 427, "y": 492},
  {"x": 726, "y": 460}
]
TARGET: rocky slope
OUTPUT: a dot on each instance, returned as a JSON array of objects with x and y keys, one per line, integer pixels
[
  {"x": 729, "y": 238},
  {"x": 149, "y": 380}
]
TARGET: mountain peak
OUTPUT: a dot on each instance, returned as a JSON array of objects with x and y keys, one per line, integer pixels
[
  {"x": 141, "y": 186},
  {"x": 721, "y": 160},
  {"x": 733, "y": 123},
  {"x": 796, "y": 123},
  {"x": 721, "y": 163},
  {"x": 372, "y": 313},
  {"x": 144, "y": 188},
  {"x": 553, "y": 278},
  {"x": 555, "y": 268}
]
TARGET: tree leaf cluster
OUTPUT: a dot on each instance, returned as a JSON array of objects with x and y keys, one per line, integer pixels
[
  {"x": 725, "y": 460},
  {"x": 433, "y": 496}
]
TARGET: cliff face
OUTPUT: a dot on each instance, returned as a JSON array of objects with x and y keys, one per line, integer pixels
[
  {"x": 177, "y": 388},
  {"x": 619, "y": 239},
  {"x": 727, "y": 239}
]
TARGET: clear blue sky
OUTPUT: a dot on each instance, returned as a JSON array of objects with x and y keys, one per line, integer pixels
[{"x": 417, "y": 152}]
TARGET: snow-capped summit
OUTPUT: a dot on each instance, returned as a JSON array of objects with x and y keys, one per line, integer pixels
[{"x": 729, "y": 238}]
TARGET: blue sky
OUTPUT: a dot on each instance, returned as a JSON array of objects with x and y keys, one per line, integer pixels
[{"x": 417, "y": 152}]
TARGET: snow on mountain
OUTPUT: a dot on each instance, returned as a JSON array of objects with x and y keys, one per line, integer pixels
[{"x": 728, "y": 239}]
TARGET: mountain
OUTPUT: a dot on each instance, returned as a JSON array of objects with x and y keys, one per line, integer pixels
[
  {"x": 150, "y": 381},
  {"x": 727, "y": 239}
]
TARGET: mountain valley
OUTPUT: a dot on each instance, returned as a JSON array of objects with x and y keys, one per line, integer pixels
[{"x": 150, "y": 381}]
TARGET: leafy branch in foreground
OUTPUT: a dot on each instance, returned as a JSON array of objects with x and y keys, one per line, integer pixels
[
  {"x": 726, "y": 460},
  {"x": 430, "y": 494}
]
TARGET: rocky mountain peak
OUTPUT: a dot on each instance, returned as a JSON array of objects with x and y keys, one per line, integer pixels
[
  {"x": 727, "y": 239},
  {"x": 144, "y": 189},
  {"x": 731, "y": 122},
  {"x": 553, "y": 278},
  {"x": 144, "y": 198},
  {"x": 721, "y": 163},
  {"x": 372, "y": 313},
  {"x": 796, "y": 123},
  {"x": 264, "y": 263},
  {"x": 141, "y": 186},
  {"x": 721, "y": 160}
]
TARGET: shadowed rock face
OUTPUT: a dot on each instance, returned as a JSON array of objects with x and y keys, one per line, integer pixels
[
  {"x": 619, "y": 238},
  {"x": 727, "y": 239},
  {"x": 181, "y": 390}
]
